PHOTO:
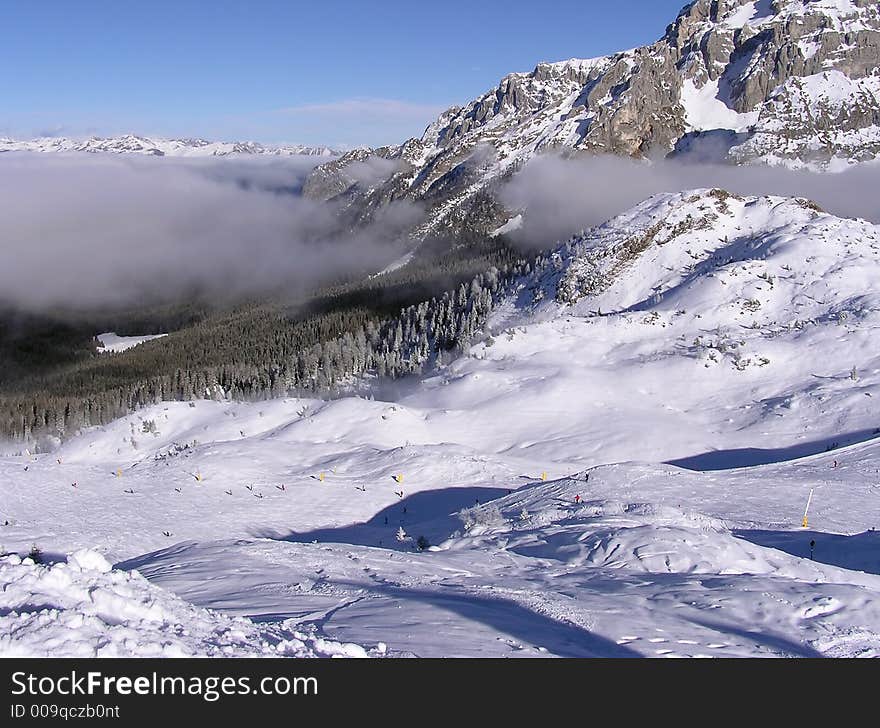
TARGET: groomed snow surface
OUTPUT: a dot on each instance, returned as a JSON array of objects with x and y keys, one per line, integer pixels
[{"x": 623, "y": 473}]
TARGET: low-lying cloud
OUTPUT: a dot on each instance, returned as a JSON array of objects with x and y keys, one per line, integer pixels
[
  {"x": 372, "y": 170},
  {"x": 80, "y": 231},
  {"x": 562, "y": 196}
]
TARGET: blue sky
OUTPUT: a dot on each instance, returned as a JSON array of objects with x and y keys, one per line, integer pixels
[{"x": 311, "y": 72}]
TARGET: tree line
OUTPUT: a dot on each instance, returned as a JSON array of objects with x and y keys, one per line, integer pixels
[{"x": 385, "y": 326}]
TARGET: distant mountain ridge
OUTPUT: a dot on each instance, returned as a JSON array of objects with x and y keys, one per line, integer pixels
[
  {"x": 781, "y": 82},
  {"x": 159, "y": 147}
]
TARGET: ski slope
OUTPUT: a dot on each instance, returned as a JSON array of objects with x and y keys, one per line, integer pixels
[{"x": 620, "y": 468}]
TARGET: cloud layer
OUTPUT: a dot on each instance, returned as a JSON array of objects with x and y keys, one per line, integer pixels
[
  {"x": 82, "y": 231},
  {"x": 562, "y": 196},
  {"x": 85, "y": 231}
]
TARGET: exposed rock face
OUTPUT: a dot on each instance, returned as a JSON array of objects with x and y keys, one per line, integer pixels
[
  {"x": 826, "y": 119},
  {"x": 789, "y": 82}
]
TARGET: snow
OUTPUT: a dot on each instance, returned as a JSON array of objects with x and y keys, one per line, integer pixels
[
  {"x": 704, "y": 110},
  {"x": 515, "y": 223},
  {"x": 397, "y": 263},
  {"x": 623, "y": 472},
  {"x": 113, "y": 343},
  {"x": 82, "y": 608},
  {"x": 742, "y": 16},
  {"x": 842, "y": 14}
]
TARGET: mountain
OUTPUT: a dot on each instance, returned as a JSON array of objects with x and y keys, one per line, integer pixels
[
  {"x": 780, "y": 82},
  {"x": 158, "y": 147}
]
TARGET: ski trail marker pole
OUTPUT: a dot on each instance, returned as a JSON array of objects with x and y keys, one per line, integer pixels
[{"x": 809, "y": 499}]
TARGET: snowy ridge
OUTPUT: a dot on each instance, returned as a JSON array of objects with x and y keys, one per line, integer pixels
[
  {"x": 155, "y": 146},
  {"x": 713, "y": 250}
]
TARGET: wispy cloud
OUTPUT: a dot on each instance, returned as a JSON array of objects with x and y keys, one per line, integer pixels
[{"x": 373, "y": 107}]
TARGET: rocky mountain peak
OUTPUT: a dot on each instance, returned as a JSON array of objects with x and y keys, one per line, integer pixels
[{"x": 782, "y": 82}]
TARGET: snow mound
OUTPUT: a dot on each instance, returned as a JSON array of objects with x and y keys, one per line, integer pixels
[
  {"x": 88, "y": 560},
  {"x": 83, "y": 608},
  {"x": 576, "y": 521}
]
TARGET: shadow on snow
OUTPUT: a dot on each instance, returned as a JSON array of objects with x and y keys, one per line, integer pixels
[
  {"x": 859, "y": 552},
  {"x": 430, "y": 513},
  {"x": 560, "y": 638},
  {"x": 749, "y": 456}
]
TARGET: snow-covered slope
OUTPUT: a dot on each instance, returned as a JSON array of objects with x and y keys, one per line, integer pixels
[
  {"x": 566, "y": 477},
  {"x": 155, "y": 146}
]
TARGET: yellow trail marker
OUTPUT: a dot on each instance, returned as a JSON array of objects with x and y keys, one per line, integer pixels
[
  {"x": 399, "y": 477},
  {"x": 809, "y": 499},
  {"x": 321, "y": 477},
  {"x": 544, "y": 475},
  {"x": 198, "y": 477},
  {"x": 118, "y": 473}
]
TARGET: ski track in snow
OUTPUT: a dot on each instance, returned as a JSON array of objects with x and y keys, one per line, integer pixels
[{"x": 624, "y": 475}]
